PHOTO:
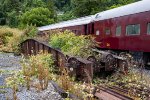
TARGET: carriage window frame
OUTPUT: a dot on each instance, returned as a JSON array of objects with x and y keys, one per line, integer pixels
[
  {"x": 118, "y": 30},
  {"x": 148, "y": 28},
  {"x": 107, "y": 31},
  {"x": 133, "y": 29}
]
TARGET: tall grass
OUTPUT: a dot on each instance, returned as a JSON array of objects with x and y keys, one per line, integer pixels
[{"x": 9, "y": 38}]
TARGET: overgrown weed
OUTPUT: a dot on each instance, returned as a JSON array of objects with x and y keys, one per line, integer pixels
[
  {"x": 10, "y": 38},
  {"x": 71, "y": 44}
]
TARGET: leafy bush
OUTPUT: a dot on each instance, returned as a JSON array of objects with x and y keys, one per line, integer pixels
[
  {"x": 30, "y": 31},
  {"x": 37, "y": 16},
  {"x": 16, "y": 79},
  {"x": 73, "y": 87},
  {"x": 9, "y": 39},
  {"x": 43, "y": 59},
  {"x": 71, "y": 44},
  {"x": 38, "y": 66}
]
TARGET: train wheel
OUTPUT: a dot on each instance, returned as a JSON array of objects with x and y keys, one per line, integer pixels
[
  {"x": 93, "y": 60},
  {"x": 128, "y": 58},
  {"x": 109, "y": 62},
  {"x": 73, "y": 63},
  {"x": 87, "y": 78},
  {"x": 126, "y": 55},
  {"x": 123, "y": 66},
  {"x": 122, "y": 54}
]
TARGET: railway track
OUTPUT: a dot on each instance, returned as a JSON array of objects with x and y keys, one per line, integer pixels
[
  {"x": 104, "y": 92},
  {"x": 118, "y": 93},
  {"x": 109, "y": 93}
]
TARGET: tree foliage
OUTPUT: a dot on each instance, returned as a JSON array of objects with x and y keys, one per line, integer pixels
[
  {"x": 67, "y": 16},
  {"x": 37, "y": 16},
  {"x": 88, "y": 7},
  {"x": 2, "y": 18},
  {"x": 12, "y": 10},
  {"x": 62, "y": 5},
  {"x": 80, "y": 8}
]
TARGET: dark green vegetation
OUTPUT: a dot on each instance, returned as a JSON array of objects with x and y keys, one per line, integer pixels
[
  {"x": 19, "y": 13},
  {"x": 14, "y": 12}
]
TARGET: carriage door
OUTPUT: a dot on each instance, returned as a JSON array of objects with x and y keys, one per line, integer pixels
[
  {"x": 89, "y": 29},
  {"x": 86, "y": 29},
  {"x": 92, "y": 31}
]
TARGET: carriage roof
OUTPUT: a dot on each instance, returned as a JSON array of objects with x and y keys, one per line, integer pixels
[
  {"x": 133, "y": 8},
  {"x": 74, "y": 22}
]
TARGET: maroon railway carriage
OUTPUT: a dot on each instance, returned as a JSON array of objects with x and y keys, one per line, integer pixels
[{"x": 126, "y": 28}]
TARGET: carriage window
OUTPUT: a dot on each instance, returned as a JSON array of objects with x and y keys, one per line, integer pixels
[
  {"x": 148, "y": 28},
  {"x": 107, "y": 31},
  {"x": 133, "y": 29},
  {"x": 118, "y": 30},
  {"x": 97, "y": 32}
]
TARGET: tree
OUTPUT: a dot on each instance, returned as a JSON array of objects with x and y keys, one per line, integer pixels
[
  {"x": 2, "y": 19},
  {"x": 13, "y": 9},
  {"x": 62, "y": 5},
  {"x": 88, "y": 7},
  {"x": 10, "y": 10},
  {"x": 65, "y": 16},
  {"x": 10, "y": 5},
  {"x": 37, "y": 16},
  {"x": 118, "y": 3}
]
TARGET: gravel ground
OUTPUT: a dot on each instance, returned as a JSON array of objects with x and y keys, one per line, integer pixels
[
  {"x": 9, "y": 62},
  {"x": 2, "y": 91},
  {"x": 33, "y": 94}
]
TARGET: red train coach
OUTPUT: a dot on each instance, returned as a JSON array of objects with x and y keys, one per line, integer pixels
[
  {"x": 79, "y": 26},
  {"x": 125, "y": 28}
]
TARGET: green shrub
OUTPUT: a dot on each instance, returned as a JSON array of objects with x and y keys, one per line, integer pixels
[
  {"x": 71, "y": 44},
  {"x": 10, "y": 38},
  {"x": 39, "y": 66},
  {"x": 43, "y": 59},
  {"x": 37, "y": 16},
  {"x": 30, "y": 31},
  {"x": 16, "y": 79}
]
